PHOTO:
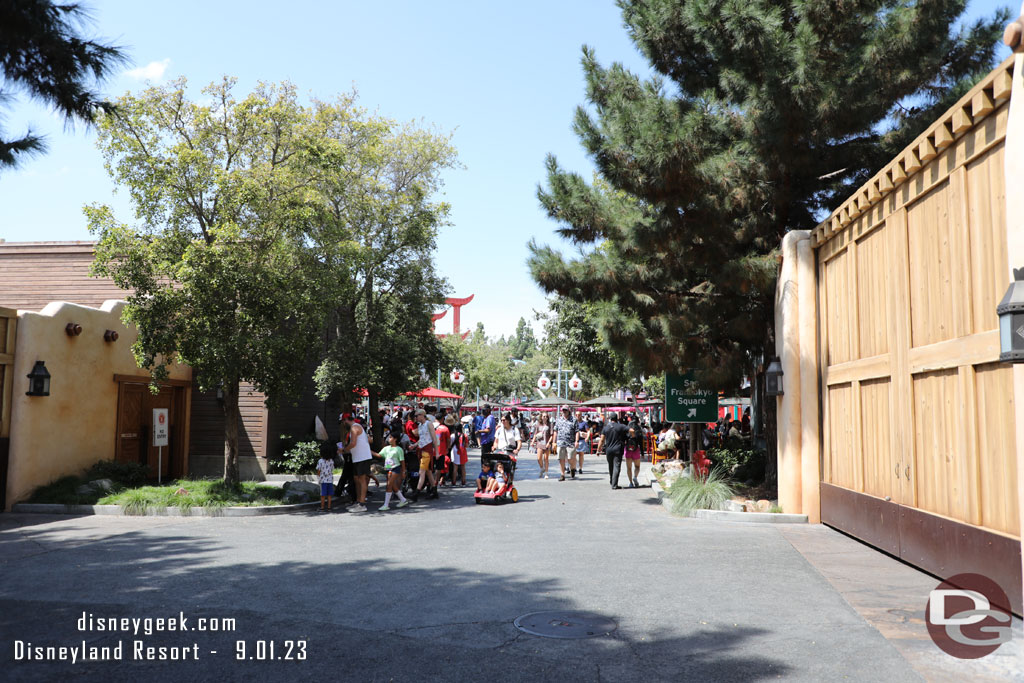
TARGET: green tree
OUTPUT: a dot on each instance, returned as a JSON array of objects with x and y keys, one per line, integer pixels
[
  {"x": 523, "y": 343},
  {"x": 43, "y": 52},
  {"x": 762, "y": 115},
  {"x": 218, "y": 266},
  {"x": 376, "y": 227}
]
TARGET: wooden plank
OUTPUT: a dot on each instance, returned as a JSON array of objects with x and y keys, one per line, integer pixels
[
  {"x": 969, "y": 444},
  {"x": 873, "y": 367},
  {"x": 944, "y": 135},
  {"x": 997, "y": 457},
  {"x": 975, "y": 349},
  {"x": 901, "y": 397},
  {"x": 962, "y": 121},
  {"x": 857, "y": 454},
  {"x": 911, "y": 164},
  {"x": 987, "y": 236},
  {"x": 959, "y": 253}
]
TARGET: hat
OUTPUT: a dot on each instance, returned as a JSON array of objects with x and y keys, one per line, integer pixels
[
  {"x": 565, "y": 407},
  {"x": 450, "y": 420},
  {"x": 346, "y": 416}
]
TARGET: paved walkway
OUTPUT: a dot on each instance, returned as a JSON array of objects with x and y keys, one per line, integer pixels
[{"x": 430, "y": 592}]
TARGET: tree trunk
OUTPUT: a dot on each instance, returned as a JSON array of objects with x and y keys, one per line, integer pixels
[
  {"x": 377, "y": 431},
  {"x": 231, "y": 422}
]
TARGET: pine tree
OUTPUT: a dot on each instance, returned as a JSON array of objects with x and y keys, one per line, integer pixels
[
  {"x": 43, "y": 52},
  {"x": 763, "y": 116}
]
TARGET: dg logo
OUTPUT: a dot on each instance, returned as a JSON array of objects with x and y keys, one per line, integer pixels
[{"x": 968, "y": 616}]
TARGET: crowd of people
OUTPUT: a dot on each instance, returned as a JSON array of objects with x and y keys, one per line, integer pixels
[{"x": 427, "y": 449}]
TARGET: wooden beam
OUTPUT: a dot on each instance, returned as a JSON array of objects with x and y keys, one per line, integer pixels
[
  {"x": 911, "y": 164},
  {"x": 961, "y": 121},
  {"x": 862, "y": 369},
  {"x": 1001, "y": 86},
  {"x": 981, "y": 105},
  {"x": 943, "y": 135},
  {"x": 975, "y": 349},
  {"x": 926, "y": 150}
]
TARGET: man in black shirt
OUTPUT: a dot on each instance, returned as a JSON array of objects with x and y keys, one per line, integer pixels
[{"x": 613, "y": 440}]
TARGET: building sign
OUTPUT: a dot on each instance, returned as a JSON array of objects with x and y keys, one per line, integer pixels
[
  {"x": 161, "y": 425},
  {"x": 686, "y": 401}
]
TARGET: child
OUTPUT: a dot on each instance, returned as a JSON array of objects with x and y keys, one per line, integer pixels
[
  {"x": 485, "y": 477},
  {"x": 394, "y": 466},
  {"x": 498, "y": 480},
  {"x": 325, "y": 471}
]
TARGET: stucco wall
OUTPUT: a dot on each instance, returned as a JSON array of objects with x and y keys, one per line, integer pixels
[{"x": 75, "y": 426}]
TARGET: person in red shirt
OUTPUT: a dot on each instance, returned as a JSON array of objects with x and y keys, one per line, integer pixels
[{"x": 444, "y": 440}]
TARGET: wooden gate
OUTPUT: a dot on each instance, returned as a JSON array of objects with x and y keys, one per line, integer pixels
[
  {"x": 918, "y": 429},
  {"x": 8, "y": 331}
]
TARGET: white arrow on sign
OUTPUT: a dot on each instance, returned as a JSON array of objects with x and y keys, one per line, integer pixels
[
  {"x": 692, "y": 413},
  {"x": 1020, "y": 331}
]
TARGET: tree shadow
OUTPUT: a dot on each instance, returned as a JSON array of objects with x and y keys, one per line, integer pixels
[{"x": 362, "y": 618}]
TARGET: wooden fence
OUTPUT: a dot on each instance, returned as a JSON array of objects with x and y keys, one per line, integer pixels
[{"x": 916, "y": 408}]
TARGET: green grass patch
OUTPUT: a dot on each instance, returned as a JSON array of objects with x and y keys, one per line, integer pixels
[
  {"x": 688, "y": 493},
  {"x": 206, "y": 493}
]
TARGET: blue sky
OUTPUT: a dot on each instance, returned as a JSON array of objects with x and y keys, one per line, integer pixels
[{"x": 505, "y": 77}]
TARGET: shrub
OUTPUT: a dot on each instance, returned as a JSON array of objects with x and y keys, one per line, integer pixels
[
  {"x": 694, "y": 493},
  {"x": 744, "y": 464},
  {"x": 300, "y": 458},
  {"x": 127, "y": 473}
]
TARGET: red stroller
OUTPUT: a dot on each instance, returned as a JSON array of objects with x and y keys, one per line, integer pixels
[{"x": 507, "y": 493}]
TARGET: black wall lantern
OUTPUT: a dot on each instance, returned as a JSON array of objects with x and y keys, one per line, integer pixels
[
  {"x": 1011, "y": 320},
  {"x": 773, "y": 378},
  {"x": 38, "y": 380}
]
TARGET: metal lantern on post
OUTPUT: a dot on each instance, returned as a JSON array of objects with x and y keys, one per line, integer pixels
[
  {"x": 544, "y": 383},
  {"x": 38, "y": 380},
  {"x": 575, "y": 383},
  {"x": 1011, "y": 320},
  {"x": 773, "y": 378}
]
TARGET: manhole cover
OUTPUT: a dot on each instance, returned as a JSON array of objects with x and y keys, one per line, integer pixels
[{"x": 565, "y": 624}]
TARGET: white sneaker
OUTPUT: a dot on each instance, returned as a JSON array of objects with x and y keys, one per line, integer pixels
[
  {"x": 358, "y": 507},
  {"x": 545, "y": 475},
  {"x": 383, "y": 508},
  {"x": 402, "y": 503}
]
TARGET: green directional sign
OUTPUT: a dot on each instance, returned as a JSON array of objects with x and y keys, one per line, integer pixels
[{"x": 686, "y": 401}]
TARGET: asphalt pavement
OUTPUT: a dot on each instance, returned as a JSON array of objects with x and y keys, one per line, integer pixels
[{"x": 430, "y": 593}]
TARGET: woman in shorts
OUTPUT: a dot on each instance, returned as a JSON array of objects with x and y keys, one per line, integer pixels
[
  {"x": 632, "y": 457},
  {"x": 541, "y": 441},
  {"x": 584, "y": 433}
]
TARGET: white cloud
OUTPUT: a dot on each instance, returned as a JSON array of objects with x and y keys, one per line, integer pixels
[{"x": 153, "y": 71}]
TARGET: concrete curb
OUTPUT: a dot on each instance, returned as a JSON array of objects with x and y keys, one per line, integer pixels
[
  {"x": 729, "y": 516},
  {"x": 115, "y": 510},
  {"x": 290, "y": 477}
]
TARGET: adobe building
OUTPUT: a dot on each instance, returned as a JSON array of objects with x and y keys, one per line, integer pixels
[{"x": 99, "y": 405}]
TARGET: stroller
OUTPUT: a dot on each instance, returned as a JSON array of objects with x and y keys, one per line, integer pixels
[{"x": 508, "y": 492}]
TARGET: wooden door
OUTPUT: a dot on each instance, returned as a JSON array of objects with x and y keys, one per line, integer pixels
[{"x": 130, "y": 429}]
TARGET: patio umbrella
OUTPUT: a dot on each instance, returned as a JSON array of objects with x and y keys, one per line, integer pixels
[
  {"x": 607, "y": 402},
  {"x": 431, "y": 392}
]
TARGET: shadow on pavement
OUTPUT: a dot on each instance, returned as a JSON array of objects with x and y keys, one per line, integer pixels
[{"x": 362, "y": 619}]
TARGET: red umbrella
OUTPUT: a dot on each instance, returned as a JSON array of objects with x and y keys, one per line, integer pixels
[{"x": 431, "y": 392}]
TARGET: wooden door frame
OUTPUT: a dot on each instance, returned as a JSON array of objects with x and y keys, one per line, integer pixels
[{"x": 6, "y": 395}]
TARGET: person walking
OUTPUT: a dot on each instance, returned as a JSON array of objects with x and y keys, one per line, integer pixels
[
  {"x": 426, "y": 444},
  {"x": 357, "y": 444},
  {"x": 564, "y": 439},
  {"x": 542, "y": 442},
  {"x": 485, "y": 433},
  {"x": 584, "y": 433},
  {"x": 442, "y": 459},
  {"x": 394, "y": 467},
  {"x": 460, "y": 452},
  {"x": 613, "y": 441},
  {"x": 632, "y": 452},
  {"x": 506, "y": 439}
]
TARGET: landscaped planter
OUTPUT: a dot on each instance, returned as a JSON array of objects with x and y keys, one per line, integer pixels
[
  {"x": 730, "y": 516},
  {"x": 197, "y": 511}
]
